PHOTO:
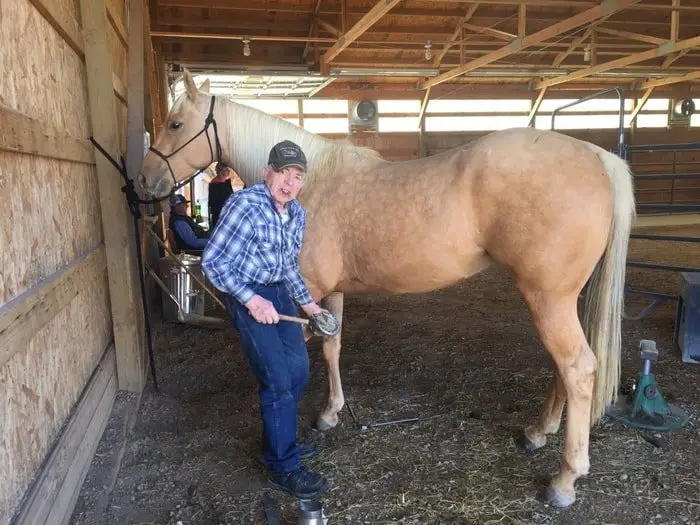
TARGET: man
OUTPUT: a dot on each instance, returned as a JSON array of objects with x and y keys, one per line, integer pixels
[
  {"x": 220, "y": 190},
  {"x": 188, "y": 234},
  {"x": 253, "y": 258}
]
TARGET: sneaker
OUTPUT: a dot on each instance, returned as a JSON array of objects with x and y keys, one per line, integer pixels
[
  {"x": 302, "y": 483},
  {"x": 306, "y": 450}
]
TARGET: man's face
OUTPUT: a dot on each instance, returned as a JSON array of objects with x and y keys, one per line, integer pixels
[
  {"x": 284, "y": 185},
  {"x": 181, "y": 208}
]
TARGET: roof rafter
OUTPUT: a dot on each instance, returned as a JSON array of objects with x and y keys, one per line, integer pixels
[
  {"x": 606, "y": 8},
  {"x": 659, "y": 51},
  {"x": 373, "y": 15}
]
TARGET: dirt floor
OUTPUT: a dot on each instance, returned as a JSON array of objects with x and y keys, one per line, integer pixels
[{"x": 466, "y": 361}]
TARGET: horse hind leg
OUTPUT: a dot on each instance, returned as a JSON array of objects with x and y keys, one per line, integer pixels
[
  {"x": 534, "y": 436},
  {"x": 556, "y": 319},
  {"x": 328, "y": 419}
]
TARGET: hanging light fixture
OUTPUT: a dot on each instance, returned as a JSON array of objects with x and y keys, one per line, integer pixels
[
  {"x": 246, "y": 47},
  {"x": 587, "y": 53},
  {"x": 428, "y": 52}
]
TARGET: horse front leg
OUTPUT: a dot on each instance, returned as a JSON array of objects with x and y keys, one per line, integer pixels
[{"x": 331, "y": 352}]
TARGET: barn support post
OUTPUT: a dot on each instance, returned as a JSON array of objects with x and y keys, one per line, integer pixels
[{"x": 118, "y": 232}]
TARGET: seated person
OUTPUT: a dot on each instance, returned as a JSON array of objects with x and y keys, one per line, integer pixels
[{"x": 189, "y": 236}]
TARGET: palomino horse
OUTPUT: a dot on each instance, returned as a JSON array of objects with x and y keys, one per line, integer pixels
[{"x": 554, "y": 210}]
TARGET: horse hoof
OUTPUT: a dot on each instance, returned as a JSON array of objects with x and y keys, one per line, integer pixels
[
  {"x": 323, "y": 426},
  {"x": 556, "y": 498},
  {"x": 527, "y": 444}
]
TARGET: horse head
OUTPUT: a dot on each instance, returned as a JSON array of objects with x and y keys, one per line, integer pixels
[{"x": 188, "y": 141}]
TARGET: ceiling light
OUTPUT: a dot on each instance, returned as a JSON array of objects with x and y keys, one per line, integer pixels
[{"x": 246, "y": 47}]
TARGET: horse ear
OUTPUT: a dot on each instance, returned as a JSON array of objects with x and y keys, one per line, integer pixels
[
  {"x": 190, "y": 86},
  {"x": 204, "y": 88}
]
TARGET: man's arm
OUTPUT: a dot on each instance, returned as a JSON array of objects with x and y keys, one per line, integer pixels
[
  {"x": 234, "y": 233},
  {"x": 183, "y": 229}
]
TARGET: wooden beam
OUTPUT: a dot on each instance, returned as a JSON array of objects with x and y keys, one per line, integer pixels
[
  {"x": 135, "y": 112},
  {"x": 152, "y": 73},
  {"x": 659, "y": 51},
  {"x": 119, "y": 28},
  {"x": 23, "y": 317},
  {"x": 594, "y": 49},
  {"x": 535, "y": 107},
  {"x": 456, "y": 34},
  {"x": 606, "y": 8},
  {"x": 119, "y": 89},
  {"x": 343, "y": 16},
  {"x": 631, "y": 35},
  {"x": 672, "y": 58},
  {"x": 23, "y": 134},
  {"x": 53, "y": 495},
  {"x": 640, "y": 104},
  {"x": 675, "y": 20},
  {"x": 423, "y": 107},
  {"x": 312, "y": 24},
  {"x": 694, "y": 75},
  {"x": 63, "y": 22},
  {"x": 373, "y": 15},
  {"x": 116, "y": 219},
  {"x": 522, "y": 20},
  {"x": 329, "y": 27},
  {"x": 503, "y": 35},
  {"x": 335, "y": 9}
]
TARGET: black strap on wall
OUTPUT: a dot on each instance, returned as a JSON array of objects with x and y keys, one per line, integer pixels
[{"x": 134, "y": 201}]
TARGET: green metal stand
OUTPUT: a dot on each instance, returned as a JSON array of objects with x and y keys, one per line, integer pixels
[{"x": 645, "y": 407}]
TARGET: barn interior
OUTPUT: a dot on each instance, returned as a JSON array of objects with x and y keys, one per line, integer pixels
[{"x": 115, "y": 411}]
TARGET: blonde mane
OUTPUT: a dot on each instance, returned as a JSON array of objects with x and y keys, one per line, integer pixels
[{"x": 252, "y": 133}]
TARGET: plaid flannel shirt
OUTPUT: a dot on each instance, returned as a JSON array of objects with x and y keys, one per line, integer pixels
[{"x": 250, "y": 245}]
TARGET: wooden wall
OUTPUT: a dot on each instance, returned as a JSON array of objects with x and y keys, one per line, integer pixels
[{"x": 56, "y": 323}]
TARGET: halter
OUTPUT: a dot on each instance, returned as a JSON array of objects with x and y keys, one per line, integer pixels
[{"x": 209, "y": 121}]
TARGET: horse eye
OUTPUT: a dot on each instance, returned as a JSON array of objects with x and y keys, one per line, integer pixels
[{"x": 175, "y": 125}]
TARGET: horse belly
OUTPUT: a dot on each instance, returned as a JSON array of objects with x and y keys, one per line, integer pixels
[{"x": 417, "y": 266}]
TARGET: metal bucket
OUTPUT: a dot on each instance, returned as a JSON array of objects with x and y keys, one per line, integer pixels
[{"x": 188, "y": 292}]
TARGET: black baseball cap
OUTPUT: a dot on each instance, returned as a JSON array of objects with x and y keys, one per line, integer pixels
[{"x": 285, "y": 154}]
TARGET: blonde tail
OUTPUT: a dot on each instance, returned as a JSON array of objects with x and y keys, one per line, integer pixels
[{"x": 604, "y": 301}]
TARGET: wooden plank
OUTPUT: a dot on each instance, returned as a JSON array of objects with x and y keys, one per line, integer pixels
[
  {"x": 136, "y": 96},
  {"x": 497, "y": 33},
  {"x": 157, "y": 118},
  {"x": 522, "y": 20},
  {"x": 118, "y": 27},
  {"x": 34, "y": 137},
  {"x": 312, "y": 25},
  {"x": 675, "y": 20},
  {"x": 24, "y": 316},
  {"x": 659, "y": 51},
  {"x": 70, "y": 490},
  {"x": 631, "y": 35},
  {"x": 120, "y": 247},
  {"x": 535, "y": 107},
  {"x": 606, "y": 8},
  {"x": 63, "y": 22},
  {"x": 640, "y": 104},
  {"x": 343, "y": 16},
  {"x": 119, "y": 89},
  {"x": 53, "y": 494},
  {"x": 456, "y": 35},
  {"x": 328, "y": 27},
  {"x": 693, "y": 75},
  {"x": 373, "y": 15},
  {"x": 572, "y": 47}
]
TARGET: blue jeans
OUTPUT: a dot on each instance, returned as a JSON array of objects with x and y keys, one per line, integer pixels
[{"x": 278, "y": 357}]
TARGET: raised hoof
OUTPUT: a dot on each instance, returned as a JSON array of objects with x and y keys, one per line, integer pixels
[
  {"x": 526, "y": 444},
  {"x": 323, "y": 426},
  {"x": 556, "y": 498}
]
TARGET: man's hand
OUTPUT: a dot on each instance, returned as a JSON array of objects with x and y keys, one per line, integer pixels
[
  {"x": 262, "y": 310},
  {"x": 311, "y": 309}
]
